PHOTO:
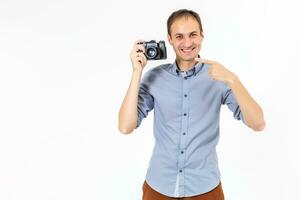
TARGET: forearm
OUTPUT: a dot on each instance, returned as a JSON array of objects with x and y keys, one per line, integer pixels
[
  {"x": 128, "y": 111},
  {"x": 251, "y": 111}
]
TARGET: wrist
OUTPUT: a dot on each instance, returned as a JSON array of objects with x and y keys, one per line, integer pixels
[{"x": 137, "y": 72}]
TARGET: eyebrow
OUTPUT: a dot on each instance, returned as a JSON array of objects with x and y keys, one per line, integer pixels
[{"x": 183, "y": 34}]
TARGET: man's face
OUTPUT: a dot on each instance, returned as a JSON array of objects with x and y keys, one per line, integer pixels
[{"x": 186, "y": 38}]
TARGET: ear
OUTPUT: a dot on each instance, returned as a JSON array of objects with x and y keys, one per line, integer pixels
[
  {"x": 202, "y": 35},
  {"x": 170, "y": 40}
]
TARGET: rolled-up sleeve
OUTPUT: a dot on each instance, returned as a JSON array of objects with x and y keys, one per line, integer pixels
[
  {"x": 229, "y": 99},
  {"x": 145, "y": 101}
]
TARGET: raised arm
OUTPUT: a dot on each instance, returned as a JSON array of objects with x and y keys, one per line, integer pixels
[
  {"x": 251, "y": 111},
  {"x": 128, "y": 113}
]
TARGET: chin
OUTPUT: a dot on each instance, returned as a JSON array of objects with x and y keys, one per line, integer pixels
[{"x": 188, "y": 58}]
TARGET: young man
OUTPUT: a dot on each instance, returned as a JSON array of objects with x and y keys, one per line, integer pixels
[{"x": 186, "y": 97}]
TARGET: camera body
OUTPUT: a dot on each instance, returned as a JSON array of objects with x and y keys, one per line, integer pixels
[{"x": 155, "y": 50}]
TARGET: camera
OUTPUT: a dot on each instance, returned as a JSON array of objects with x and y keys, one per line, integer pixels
[{"x": 155, "y": 50}]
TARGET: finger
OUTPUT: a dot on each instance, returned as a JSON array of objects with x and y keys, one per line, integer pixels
[
  {"x": 143, "y": 60},
  {"x": 212, "y": 76},
  {"x": 139, "y": 48},
  {"x": 143, "y": 57},
  {"x": 140, "y": 54},
  {"x": 139, "y": 41},
  {"x": 207, "y": 61},
  {"x": 211, "y": 68},
  {"x": 140, "y": 60},
  {"x": 197, "y": 59}
]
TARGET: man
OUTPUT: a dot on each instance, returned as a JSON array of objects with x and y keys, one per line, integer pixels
[{"x": 186, "y": 97}]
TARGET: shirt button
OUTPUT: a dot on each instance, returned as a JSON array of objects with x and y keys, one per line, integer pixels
[
  {"x": 185, "y": 95},
  {"x": 183, "y": 133},
  {"x": 180, "y": 170},
  {"x": 182, "y": 152},
  {"x": 185, "y": 78},
  {"x": 184, "y": 114}
]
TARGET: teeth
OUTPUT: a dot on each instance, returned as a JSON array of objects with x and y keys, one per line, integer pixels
[{"x": 187, "y": 50}]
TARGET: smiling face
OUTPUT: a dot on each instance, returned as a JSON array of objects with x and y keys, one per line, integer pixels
[{"x": 186, "y": 38}]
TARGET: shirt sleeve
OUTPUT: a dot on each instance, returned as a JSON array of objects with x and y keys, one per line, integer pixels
[
  {"x": 229, "y": 99},
  {"x": 145, "y": 101}
]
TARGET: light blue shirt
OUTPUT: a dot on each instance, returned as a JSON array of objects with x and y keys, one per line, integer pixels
[{"x": 186, "y": 127}]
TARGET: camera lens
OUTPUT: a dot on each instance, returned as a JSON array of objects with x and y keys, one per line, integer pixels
[{"x": 151, "y": 52}]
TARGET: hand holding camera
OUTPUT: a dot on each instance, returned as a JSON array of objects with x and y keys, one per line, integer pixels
[
  {"x": 143, "y": 51},
  {"x": 138, "y": 59}
]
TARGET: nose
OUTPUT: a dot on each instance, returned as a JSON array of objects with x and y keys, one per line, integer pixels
[{"x": 187, "y": 42}]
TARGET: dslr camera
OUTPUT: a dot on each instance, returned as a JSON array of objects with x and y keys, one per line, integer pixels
[{"x": 155, "y": 50}]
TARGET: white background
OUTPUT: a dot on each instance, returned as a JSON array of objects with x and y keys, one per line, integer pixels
[{"x": 64, "y": 71}]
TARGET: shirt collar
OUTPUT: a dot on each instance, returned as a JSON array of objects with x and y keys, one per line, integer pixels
[{"x": 176, "y": 70}]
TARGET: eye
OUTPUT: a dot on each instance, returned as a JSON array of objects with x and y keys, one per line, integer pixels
[{"x": 179, "y": 37}]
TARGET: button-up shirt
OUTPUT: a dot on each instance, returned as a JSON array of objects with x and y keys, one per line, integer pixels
[{"x": 186, "y": 108}]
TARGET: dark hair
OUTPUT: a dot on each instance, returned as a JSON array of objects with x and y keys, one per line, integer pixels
[{"x": 183, "y": 13}]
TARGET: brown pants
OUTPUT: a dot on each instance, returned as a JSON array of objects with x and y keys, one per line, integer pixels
[{"x": 151, "y": 194}]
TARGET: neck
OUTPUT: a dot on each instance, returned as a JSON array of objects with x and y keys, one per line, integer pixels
[{"x": 185, "y": 65}]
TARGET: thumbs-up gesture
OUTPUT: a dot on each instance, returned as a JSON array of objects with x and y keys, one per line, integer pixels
[{"x": 218, "y": 72}]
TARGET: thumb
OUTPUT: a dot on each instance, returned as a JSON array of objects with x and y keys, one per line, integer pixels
[{"x": 197, "y": 59}]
